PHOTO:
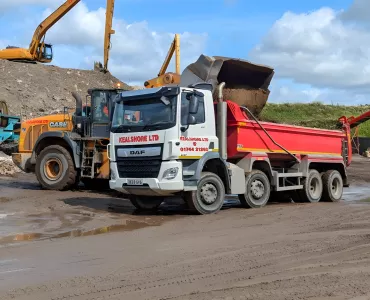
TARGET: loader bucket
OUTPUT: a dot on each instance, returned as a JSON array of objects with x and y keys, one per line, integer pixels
[{"x": 245, "y": 83}]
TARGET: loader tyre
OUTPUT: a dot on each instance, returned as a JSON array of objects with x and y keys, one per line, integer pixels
[
  {"x": 146, "y": 203},
  {"x": 257, "y": 191},
  {"x": 312, "y": 188},
  {"x": 332, "y": 186},
  {"x": 55, "y": 169},
  {"x": 209, "y": 196}
]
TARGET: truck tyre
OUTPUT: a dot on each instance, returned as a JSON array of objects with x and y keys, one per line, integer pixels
[
  {"x": 258, "y": 190},
  {"x": 146, "y": 202},
  {"x": 55, "y": 169},
  {"x": 209, "y": 196},
  {"x": 332, "y": 186},
  {"x": 312, "y": 188}
]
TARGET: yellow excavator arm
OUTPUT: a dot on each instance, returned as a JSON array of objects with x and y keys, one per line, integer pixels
[
  {"x": 39, "y": 51},
  {"x": 108, "y": 32},
  {"x": 168, "y": 78},
  {"x": 37, "y": 45}
]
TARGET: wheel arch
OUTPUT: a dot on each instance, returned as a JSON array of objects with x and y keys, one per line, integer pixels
[
  {"x": 325, "y": 166},
  {"x": 209, "y": 162},
  {"x": 263, "y": 166},
  {"x": 56, "y": 138}
]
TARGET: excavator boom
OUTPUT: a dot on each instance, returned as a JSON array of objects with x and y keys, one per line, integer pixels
[
  {"x": 108, "y": 32},
  {"x": 39, "y": 51},
  {"x": 48, "y": 23},
  {"x": 168, "y": 78}
]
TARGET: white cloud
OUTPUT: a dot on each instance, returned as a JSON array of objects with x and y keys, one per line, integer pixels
[
  {"x": 324, "y": 48},
  {"x": 287, "y": 92},
  {"x": 137, "y": 52},
  {"x": 10, "y": 4}
]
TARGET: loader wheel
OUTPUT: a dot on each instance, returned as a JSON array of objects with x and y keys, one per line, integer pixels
[
  {"x": 332, "y": 186},
  {"x": 312, "y": 188},
  {"x": 146, "y": 202},
  {"x": 55, "y": 169},
  {"x": 209, "y": 196},
  {"x": 257, "y": 191}
]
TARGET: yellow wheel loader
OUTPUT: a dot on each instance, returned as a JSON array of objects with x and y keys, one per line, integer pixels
[{"x": 67, "y": 148}]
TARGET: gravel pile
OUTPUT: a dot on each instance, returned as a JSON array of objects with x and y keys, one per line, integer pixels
[{"x": 7, "y": 166}]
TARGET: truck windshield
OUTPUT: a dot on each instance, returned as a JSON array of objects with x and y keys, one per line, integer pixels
[{"x": 144, "y": 115}]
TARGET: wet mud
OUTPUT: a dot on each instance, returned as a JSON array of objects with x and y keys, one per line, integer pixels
[
  {"x": 87, "y": 245},
  {"x": 28, "y": 213}
]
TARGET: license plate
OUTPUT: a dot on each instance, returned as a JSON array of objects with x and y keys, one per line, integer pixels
[{"x": 135, "y": 182}]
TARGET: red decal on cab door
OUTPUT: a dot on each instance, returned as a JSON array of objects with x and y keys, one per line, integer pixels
[{"x": 139, "y": 139}]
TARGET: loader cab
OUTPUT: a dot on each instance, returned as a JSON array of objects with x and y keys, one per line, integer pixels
[{"x": 97, "y": 112}]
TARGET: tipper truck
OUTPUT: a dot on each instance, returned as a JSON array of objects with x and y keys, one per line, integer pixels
[{"x": 181, "y": 140}]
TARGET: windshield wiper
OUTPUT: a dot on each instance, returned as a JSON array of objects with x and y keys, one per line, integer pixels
[
  {"x": 120, "y": 127},
  {"x": 154, "y": 124}
]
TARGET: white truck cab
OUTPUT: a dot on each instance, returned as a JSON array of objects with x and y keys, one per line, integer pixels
[{"x": 163, "y": 142}]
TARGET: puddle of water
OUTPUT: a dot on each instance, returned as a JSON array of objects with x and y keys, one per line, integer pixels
[
  {"x": 356, "y": 193},
  {"x": 129, "y": 225}
]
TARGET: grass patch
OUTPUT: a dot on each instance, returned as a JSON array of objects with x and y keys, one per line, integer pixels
[
  {"x": 314, "y": 114},
  {"x": 365, "y": 200}
]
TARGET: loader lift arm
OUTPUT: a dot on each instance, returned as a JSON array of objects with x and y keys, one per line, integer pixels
[{"x": 168, "y": 78}]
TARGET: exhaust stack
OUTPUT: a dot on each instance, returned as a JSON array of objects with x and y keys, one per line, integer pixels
[
  {"x": 222, "y": 122},
  {"x": 78, "y": 104}
]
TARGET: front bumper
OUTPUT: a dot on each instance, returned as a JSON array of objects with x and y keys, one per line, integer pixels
[{"x": 151, "y": 186}]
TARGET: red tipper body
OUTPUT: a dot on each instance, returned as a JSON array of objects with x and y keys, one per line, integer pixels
[{"x": 246, "y": 137}]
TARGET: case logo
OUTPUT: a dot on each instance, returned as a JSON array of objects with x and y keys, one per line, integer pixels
[{"x": 58, "y": 124}]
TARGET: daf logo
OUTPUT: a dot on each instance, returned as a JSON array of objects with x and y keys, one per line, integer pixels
[
  {"x": 58, "y": 124},
  {"x": 137, "y": 152}
]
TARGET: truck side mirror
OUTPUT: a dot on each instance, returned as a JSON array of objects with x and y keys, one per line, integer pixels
[
  {"x": 192, "y": 120},
  {"x": 193, "y": 105}
]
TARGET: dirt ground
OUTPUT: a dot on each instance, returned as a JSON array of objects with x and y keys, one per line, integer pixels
[
  {"x": 32, "y": 90},
  {"x": 85, "y": 245}
]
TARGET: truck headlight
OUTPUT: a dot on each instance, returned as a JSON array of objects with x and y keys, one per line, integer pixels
[{"x": 170, "y": 173}]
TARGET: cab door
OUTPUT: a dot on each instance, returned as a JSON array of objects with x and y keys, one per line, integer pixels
[{"x": 199, "y": 138}]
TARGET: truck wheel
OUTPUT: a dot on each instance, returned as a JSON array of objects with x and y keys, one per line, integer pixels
[
  {"x": 55, "y": 169},
  {"x": 209, "y": 196},
  {"x": 332, "y": 186},
  {"x": 312, "y": 188},
  {"x": 258, "y": 190},
  {"x": 146, "y": 202}
]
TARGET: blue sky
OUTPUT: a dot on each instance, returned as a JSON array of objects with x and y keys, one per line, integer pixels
[{"x": 311, "y": 44}]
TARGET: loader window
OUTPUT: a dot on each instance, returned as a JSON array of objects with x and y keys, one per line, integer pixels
[
  {"x": 100, "y": 105},
  {"x": 200, "y": 116}
]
